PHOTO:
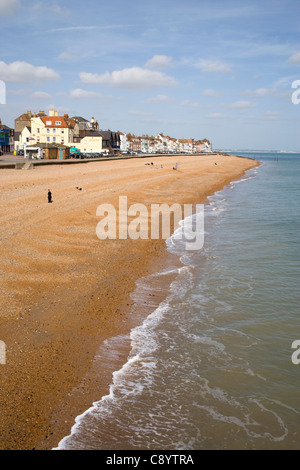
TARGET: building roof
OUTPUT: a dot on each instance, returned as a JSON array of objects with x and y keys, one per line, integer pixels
[
  {"x": 58, "y": 122},
  {"x": 79, "y": 119},
  {"x": 24, "y": 117},
  {"x": 93, "y": 133},
  {"x": 107, "y": 135}
]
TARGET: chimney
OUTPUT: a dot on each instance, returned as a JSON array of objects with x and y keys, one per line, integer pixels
[
  {"x": 92, "y": 120},
  {"x": 51, "y": 113},
  {"x": 56, "y": 113}
]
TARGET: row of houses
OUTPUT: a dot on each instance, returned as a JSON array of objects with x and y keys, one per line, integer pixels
[
  {"x": 39, "y": 130},
  {"x": 162, "y": 144}
]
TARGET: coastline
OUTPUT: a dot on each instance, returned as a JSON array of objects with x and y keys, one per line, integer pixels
[{"x": 76, "y": 288}]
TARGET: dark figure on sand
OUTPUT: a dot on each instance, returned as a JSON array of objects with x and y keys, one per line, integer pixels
[{"x": 49, "y": 197}]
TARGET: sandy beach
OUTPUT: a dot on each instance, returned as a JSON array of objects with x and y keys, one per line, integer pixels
[{"x": 63, "y": 291}]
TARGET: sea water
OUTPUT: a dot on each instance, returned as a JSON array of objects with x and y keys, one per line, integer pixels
[{"x": 211, "y": 367}]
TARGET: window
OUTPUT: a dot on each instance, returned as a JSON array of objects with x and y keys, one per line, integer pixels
[
  {"x": 58, "y": 123},
  {"x": 48, "y": 130},
  {"x": 48, "y": 139},
  {"x": 62, "y": 141},
  {"x": 54, "y": 130},
  {"x": 48, "y": 123},
  {"x": 38, "y": 130},
  {"x": 54, "y": 139}
]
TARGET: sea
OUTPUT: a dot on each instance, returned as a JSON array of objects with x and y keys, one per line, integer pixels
[{"x": 215, "y": 366}]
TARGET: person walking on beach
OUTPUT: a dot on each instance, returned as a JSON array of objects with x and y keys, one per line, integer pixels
[{"x": 49, "y": 197}]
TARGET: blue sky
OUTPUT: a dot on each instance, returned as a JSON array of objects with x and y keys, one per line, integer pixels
[{"x": 221, "y": 70}]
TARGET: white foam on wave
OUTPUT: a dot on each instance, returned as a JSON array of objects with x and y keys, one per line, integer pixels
[{"x": 207, "y": 340}]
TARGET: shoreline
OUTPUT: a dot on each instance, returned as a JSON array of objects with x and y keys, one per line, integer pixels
[{"x": 77, "y": 291}]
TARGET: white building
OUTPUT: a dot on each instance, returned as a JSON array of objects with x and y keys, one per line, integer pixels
[
  {"x": 90, "y": 145},
  {"x": 53, "y": 129},
  {"x": 124, "y": 144}
]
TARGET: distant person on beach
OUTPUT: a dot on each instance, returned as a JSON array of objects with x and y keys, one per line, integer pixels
[
  {"x": 49, "y": 197},
  {"x": 175, "y": 167}
]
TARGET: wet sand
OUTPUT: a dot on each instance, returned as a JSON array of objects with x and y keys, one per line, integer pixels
[{"x": 63, "y": 291}]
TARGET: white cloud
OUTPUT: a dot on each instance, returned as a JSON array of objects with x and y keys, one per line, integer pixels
[
  {"x": 215, "y": 115},
  {"x": 212, "y": 93},
  {"x": 285, "y": 82},
  {"x": 45, "y": 7},
  {"x": 65, "y": 56},
  {"x": 159, "y": 62},
  {"x": 70, "y": 28},
  {"x": 191, "y": 104},
  {"x": 22, "y": 72},
  {"x": 41, "y": 95},
  {"x": 259, "y": 93},
  {"x": 241, "y": 105},
  {"x": 9, "y": 7},
  {"x": 159, "y": 99},
  {"x": 295, "y": 58},
  {"x": 216, "y": 66},
  {"x": 79, "y": 94},
  {"x": 131, "y": 78},
  {"x": 17, "y": 92}
]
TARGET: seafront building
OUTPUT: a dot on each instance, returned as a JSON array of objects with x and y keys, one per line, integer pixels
[
  {"x": 53, "y": 129},
  {"x": 6, "y": 138}
]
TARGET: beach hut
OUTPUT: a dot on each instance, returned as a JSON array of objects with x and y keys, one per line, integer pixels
[{"x": 55, "y": 151}]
